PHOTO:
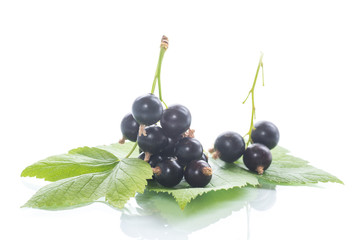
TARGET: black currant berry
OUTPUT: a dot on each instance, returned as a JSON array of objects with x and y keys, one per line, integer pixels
[
  {"x": 154, "y": 159},
  {"x": 188, "y": 149},
  {"x": 175, "y": 120},
  {"x": 168, "y": 173},
  {"x": 198, "y": 173},
  {"x": 154, "y": 141},
  {"x": 204, "y": 157},
  {"x": 257, "y": 157},
  {"x": 129, "y": 128},
  {"x": 147, "y": 109},
  {"x": 170, "y": 147},
  {"x": 266, "y": 133},
  {"x": 229, "y": 146}
]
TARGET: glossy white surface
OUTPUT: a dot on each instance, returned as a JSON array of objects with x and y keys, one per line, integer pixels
[
  {"x": 327, "y": 211},
  {"x": 69, "y": 71}
]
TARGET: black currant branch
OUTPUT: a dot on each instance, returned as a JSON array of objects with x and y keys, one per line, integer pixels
[
  {"x": 252, "y": 90},
  {"x": 169, "y": 148},
  {"x": 230, "y": 146},
  {"x": 163, "y": 47}
]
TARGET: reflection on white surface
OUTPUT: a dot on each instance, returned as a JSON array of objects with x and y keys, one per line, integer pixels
[
  {"x": 303, "y": 212},
  {"x": 157, "y": 216}
]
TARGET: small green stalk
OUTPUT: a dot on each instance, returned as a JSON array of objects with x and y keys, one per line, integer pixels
[
  {"x": 163, "y": 47},
  {"x": 158, "y": 68},
  {"x": 252, "y": 90},
  {"x": 132, "y": 150}
]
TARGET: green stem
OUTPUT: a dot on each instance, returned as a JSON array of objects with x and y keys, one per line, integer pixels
[
  {"x": 158, "y": 68},
  {"x": 160, "y": 96},
  {"x": 132, "y": 150},
  {"x": 163, "y": 47},
  {"x": 252, "y": 90}
]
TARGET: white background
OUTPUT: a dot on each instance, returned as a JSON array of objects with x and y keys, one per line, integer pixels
[{"x": 69, "y": 71}]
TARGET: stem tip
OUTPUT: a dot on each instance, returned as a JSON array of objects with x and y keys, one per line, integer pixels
[{"x": 164, "y": 42}]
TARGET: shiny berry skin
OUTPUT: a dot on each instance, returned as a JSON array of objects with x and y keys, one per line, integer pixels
[
  {"x": 230, "y": 146},
  {"x": 147, "y": 109},
  {"x": 129, "y": 127},
  {"x": 188, "y": 149},
  {"x": 154, "y": 159},
  {"x": 204, "y": 157},
  {"x": 170, "y": 147},
  {"x": 175, "y": 120},
  {"x": 154, "y": 141},
  {"x": 198, "y": 173},
  {"x": 266, "y": 133},
  {"x": 257, "y": 157},
  {"x": 168, "y": 173}
]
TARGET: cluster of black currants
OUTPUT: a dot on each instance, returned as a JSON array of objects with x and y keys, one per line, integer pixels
[
  {"x": 170, "y": 149},
  {"x": 230, "y": 146}
]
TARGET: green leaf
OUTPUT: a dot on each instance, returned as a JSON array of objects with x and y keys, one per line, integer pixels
[
  {"x": 225, "y": 176},
  {"x": 77, "y": 162},
  {"x": 116, "y": 185},
  {"x": 286, "y": 169},
  {"x": 128, "y": 178},
  {"x": 86, "y": 174}
]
